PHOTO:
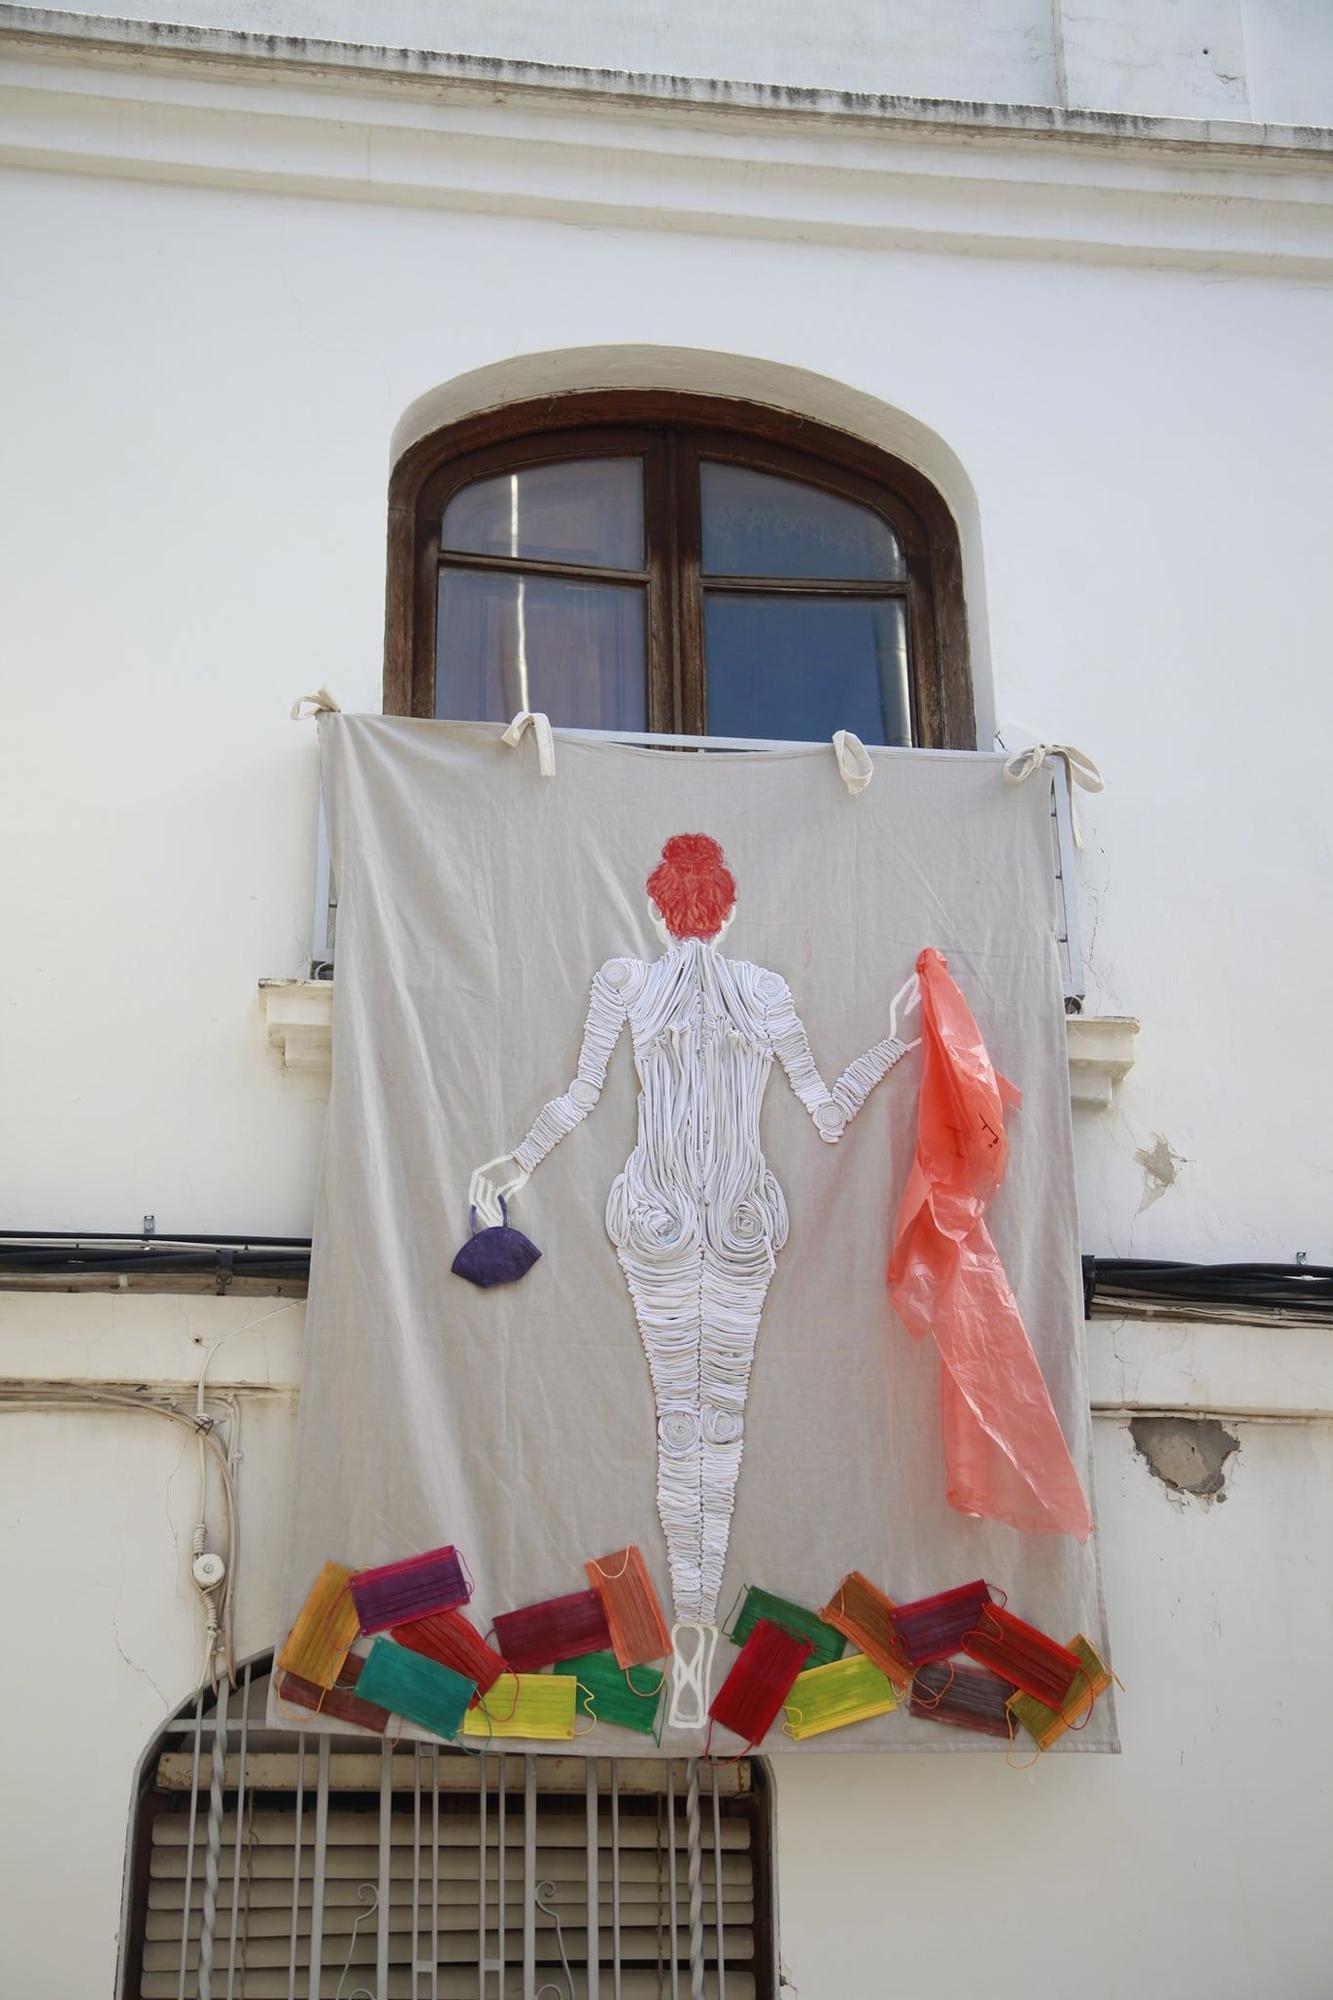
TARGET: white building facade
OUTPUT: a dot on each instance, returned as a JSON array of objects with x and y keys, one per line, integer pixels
[{"x": 1074, "y": 270}]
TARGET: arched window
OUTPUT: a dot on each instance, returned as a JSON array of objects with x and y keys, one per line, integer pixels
[{"x": 673, "y": 563}]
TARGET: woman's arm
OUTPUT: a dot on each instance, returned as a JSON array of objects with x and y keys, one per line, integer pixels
[
  {"x": 607, "y": 1010},
  {"x": 832, "y": 1110}
]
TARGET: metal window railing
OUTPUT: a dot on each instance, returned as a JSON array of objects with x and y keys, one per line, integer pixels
[{"x": 289, "y": 1864}]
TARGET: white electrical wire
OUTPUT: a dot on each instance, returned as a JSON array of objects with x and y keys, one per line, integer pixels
[
  {"x": 63, "y": 1396},
  {"x": 219, "y": 1604},
  {"x": 220, "y": 1614}
]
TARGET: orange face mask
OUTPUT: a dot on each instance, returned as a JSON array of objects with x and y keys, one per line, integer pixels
[{"x": 1005, "y": 1453}]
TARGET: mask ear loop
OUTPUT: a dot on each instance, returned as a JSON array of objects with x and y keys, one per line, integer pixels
[
  {"x": 1036, "y": 1756},
  {"x": 1093, "y": 1697},
  {"x": 482, "y": 1748},
  {"x": 726, "y": 1763},
  {"x": 294, "y": 1712},
  {"x": 978, "y": 1633},
  {"x": 792, "y": 1718},
  {"x": 933, "y": 1701},
  {"x": 480, "y": 1704},
  {"x": 730, "y": 1619},
  {"x": 513, "y": 1706},
  {"x": 1083, "y": 1715},
  {"x": 1071, "y": 1728},
  {"x": 291, "y": 1710},
  {"x": 610, "y": 1575},
  {"x": 588, "y": 1708}
]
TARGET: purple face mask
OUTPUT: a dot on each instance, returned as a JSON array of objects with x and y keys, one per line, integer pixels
[{"x": 498, "y": 1256}]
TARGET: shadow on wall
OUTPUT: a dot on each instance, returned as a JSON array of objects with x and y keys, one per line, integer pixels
[{"x": 701, "y": 372}]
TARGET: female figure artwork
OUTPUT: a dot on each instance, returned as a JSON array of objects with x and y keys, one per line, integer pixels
[{"x": 696, "y": 1217}]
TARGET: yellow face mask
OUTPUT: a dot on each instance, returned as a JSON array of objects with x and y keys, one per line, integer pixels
[
  {"x": 325, "y": 1627},
  {"x": 835, "y": 1695},
  {"x": 541, "y": 1706},
  {"x": 1046, "y": 1725}
]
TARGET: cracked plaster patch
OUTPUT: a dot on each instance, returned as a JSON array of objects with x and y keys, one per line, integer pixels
[
  {"x": 1188, "y": 1454},
  {"x": 1161, "y": 1169}
]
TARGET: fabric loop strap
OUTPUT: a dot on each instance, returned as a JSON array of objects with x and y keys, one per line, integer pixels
[
  {"x": 540, "y": 726},
  {"x": 321, "y": 703},
  {"x": 854, "y": 765},
  {"x": 1079, "y": 770}
]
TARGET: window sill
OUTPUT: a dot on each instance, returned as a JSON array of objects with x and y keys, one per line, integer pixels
[{"x": 298, "y": 1017}]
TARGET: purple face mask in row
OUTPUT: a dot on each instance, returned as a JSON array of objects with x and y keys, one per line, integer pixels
[{"x": 498, "y": 1256}]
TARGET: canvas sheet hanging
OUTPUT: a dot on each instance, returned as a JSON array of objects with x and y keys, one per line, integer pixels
[{"x": 769, "y": 1422}]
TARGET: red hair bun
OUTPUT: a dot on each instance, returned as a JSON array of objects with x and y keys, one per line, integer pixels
[{"x": 692, "y": 886}]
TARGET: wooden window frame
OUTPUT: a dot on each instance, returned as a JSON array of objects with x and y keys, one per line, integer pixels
[{"x": 672, "y": 433}]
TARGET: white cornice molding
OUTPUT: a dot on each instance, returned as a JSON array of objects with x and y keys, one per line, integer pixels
[
  {"x": 135, "y": 100},
  {"x": 353, "y": 62},
  {"x": 298, "y": 1018}
]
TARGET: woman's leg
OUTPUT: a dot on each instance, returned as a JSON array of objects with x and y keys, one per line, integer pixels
[
  {"x": 731, "y": 1302},
  {"x": 667, "y": 1295},
  {"x": 698, "y": 1316}
]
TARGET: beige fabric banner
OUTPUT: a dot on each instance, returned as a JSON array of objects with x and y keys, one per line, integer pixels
[{"x": 477, "y": 899}]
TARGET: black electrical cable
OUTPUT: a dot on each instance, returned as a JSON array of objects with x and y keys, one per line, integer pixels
[
  {"x": 1254, "y": 1287},
  {"x": 128, "y": 1236},
  {"x": 72, "y": 1254},
  {"x": 1303, "y": 1288}
]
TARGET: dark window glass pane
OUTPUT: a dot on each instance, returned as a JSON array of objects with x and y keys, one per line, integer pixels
[
  {"x": 576, "y": 510},
  {"x": 799, "y": 668},
  {"x": 574, "y": 650},
  {"x": 757, "y": 525}
]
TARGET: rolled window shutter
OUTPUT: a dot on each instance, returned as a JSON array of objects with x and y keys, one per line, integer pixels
[{"x": 440, "y": 1823}]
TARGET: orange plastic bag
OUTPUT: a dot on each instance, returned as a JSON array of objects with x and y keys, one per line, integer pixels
[{"x": 1004, "y": 1451}]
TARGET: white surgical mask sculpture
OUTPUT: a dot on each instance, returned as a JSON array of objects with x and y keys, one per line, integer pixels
[{"x": 697, "y": 1218}]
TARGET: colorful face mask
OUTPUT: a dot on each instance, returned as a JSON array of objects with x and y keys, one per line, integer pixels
[{"x": 498, "y": 1256}]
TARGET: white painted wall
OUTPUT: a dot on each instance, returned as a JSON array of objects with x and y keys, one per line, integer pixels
[
  {"x": 1262, "y": 59},
  {"x": 1152, "y": 509},
  {"x": 223, "y": 300},
  {"x": 1198, "y": 1851}
]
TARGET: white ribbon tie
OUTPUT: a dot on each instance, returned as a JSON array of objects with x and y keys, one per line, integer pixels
[
  {"x": 1079, "y": 769},
  {"x": 540, "y": 725},
  {"x": 320, "y": 703},
  {"x": 854, "y": 764}
]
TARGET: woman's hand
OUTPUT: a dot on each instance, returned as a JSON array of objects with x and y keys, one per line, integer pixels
[
  {"x": 908, "y": 997},
  {"x": 488, "y": 1189}
]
